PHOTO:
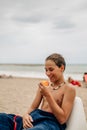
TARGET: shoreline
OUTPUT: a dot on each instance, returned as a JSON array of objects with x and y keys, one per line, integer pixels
[
  {"x": 17, "y": 93},
  {"x": 39, "y": 75}
]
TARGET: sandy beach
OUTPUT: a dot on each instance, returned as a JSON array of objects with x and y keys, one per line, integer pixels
[{"x": 16, "y": 94}]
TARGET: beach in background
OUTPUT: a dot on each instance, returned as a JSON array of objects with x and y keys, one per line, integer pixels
[
  {"x": 75, "y": 71},
  {"x": 18, "y": 89}
]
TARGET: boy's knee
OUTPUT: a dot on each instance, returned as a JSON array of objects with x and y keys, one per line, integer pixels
[
  {"x": 3, "y": 118},
  {"x": 3, "y": 115}
]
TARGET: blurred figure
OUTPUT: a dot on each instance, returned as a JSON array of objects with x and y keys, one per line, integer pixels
[
  {"x": 85, "y": 77},
  {"x": 74, "y": 82}
]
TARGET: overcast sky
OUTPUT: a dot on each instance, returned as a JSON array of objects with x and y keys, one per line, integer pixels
[{"x": 30, "y": 30}]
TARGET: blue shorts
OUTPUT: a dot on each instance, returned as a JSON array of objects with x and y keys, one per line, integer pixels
[
  {"x": 45, "y": 121},
  {"x": 41, "y": 121},
  {"x": 10, "y": 122}
]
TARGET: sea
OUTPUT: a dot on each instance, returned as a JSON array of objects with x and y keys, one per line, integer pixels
[{"x": 76, "y": 71}]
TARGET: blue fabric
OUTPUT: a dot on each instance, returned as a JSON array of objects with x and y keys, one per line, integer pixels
[
  {"x": 7, "y": 122},
  {"x": 45, "y": 121},
  {"x": 41, "y": 121}
]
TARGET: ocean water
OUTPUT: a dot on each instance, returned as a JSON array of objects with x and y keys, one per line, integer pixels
[{"x": 37, "y": 71}]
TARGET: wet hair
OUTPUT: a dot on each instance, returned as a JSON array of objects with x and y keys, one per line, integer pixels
[{"x": 58, "y": 59}]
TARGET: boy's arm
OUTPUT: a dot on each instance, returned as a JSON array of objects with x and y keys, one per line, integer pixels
[
  {"x": 27, "y": 119},
  {"x": 62, "y": 113},
  {"x": 36, "y": 102}
]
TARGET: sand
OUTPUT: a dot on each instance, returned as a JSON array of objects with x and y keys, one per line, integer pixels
[{"x": 17, "y": 94}]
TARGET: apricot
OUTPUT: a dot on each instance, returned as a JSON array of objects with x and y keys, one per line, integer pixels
[{"x": 45, "y": 83}]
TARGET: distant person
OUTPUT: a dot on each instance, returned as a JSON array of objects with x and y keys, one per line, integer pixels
[
  {"x": 5, "y": 76},
  {"x": 74, "y": 82},
  {"x": 56, "y": 101},
  {"x": 85, "y": 77}
]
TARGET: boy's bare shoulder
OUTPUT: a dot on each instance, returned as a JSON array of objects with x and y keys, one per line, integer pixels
[{"x": 70, "y": 88}]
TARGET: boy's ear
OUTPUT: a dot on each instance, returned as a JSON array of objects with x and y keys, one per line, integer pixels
[{"x": 62, "y": 68}]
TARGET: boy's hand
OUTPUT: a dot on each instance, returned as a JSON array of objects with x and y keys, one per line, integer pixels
[
  {"x": 44, "y": 88},
  {"x": 27, "y": 121}
]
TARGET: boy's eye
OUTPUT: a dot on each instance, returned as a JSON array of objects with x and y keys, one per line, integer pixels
[{"x": 50, "y": 69}]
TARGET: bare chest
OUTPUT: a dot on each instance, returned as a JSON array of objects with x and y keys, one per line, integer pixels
[{"x": 58, "y": 96}]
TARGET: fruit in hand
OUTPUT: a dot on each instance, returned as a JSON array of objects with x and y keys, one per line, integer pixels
[{"x": 45, "y": 83}]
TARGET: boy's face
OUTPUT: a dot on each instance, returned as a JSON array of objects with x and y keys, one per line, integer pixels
[{"x": 53, "y": 71}]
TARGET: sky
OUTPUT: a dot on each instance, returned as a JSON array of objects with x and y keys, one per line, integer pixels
[{"x": 30, "y": 30}]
